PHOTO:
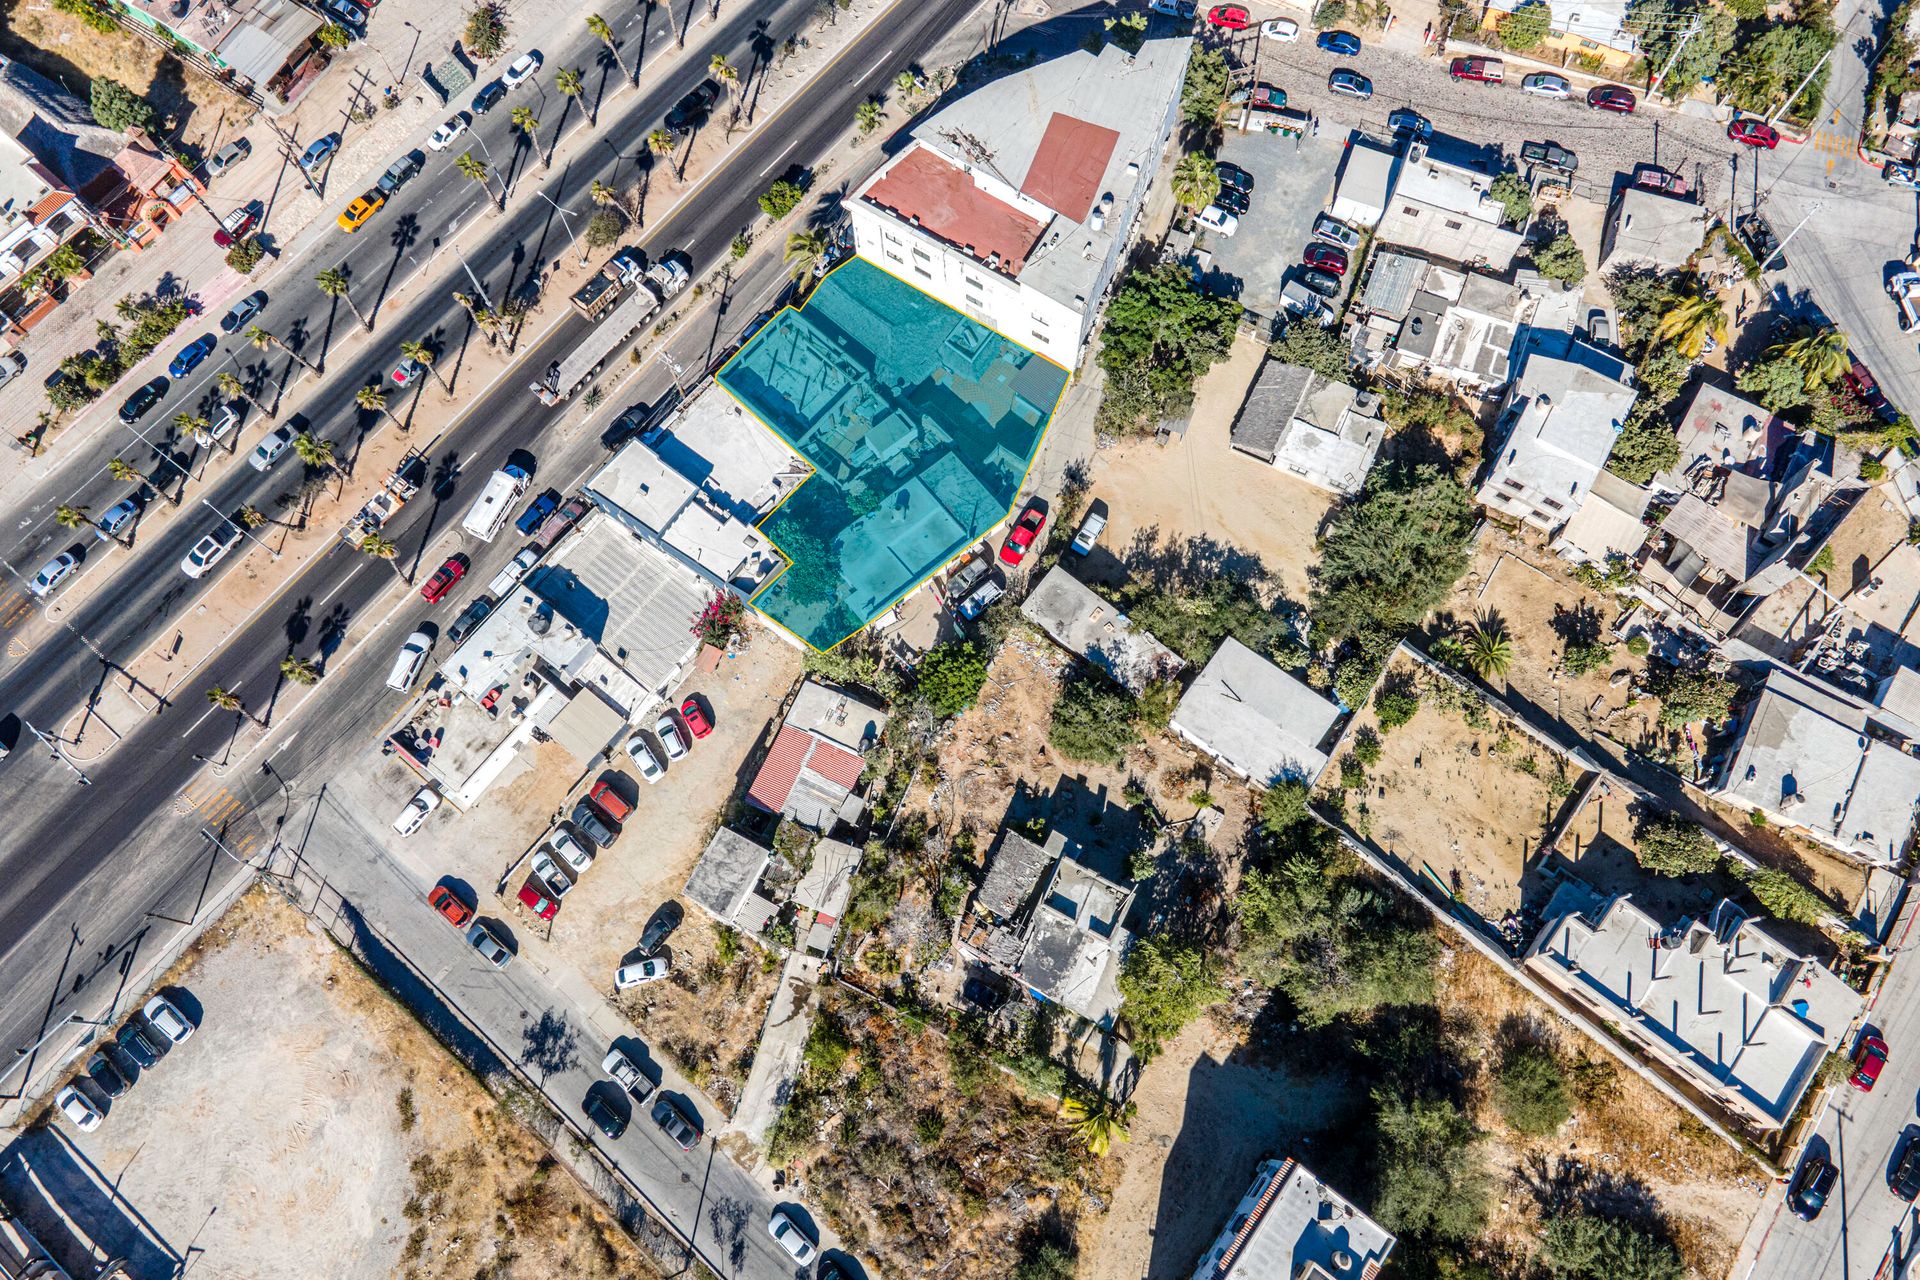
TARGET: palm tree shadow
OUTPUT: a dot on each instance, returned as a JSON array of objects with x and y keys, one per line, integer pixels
[{"x": 406, "y": 233}]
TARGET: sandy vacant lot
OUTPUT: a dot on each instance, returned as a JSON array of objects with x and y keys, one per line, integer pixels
[{"x": 308, "y": 1127}]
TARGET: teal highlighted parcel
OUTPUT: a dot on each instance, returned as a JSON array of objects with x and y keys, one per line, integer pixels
[{"x": 919, "y": 424}]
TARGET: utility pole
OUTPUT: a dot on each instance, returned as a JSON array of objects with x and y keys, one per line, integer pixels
[
  {"x": 1693, "y": 29},
  {"x": 1782, "y": 246},
  {"x": 286, "y": 150},
  {"x": 53, "y": 745},
  {"x": 241, "y": 526},
  {"x": 1801, "y": 87}
]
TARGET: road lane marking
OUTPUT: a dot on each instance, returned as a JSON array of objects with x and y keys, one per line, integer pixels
[
  {"x": 782, "y": 156},
  {"x": 232, "y": 688},
  {"x": 876, "y": 64}
]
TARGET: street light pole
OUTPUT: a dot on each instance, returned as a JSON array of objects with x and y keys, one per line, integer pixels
[
  {"x": 53, "y": 745},
  {"x": 477, "y": 286},
  {"x": 1782, "y": 246},
  {"x": 1692, "y": 30},
  {"x": 1801, "y": 87},
  {"x": 566, "y": 219},
  {"x": 241, "y": 527}
]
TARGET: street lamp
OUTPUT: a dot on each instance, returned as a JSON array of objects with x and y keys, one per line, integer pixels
[
  {"x": 566, "y": 219},
  {"x": 53, "y": 745},
  {"x": 241, "y": 527}
]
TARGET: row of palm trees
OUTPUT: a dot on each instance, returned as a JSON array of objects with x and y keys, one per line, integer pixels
[{"x": 1819, "y": 352}]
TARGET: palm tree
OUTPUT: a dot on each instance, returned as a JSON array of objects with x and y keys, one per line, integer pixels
[
  {"x": 567, "y": 80},
  {"x": 333, "y": 283},
  {"x": 805, "y": 250},
  {"x": 729, "y": 77},
  {"x": 489, "y": 322},
  {"x": 477, "y": 171},
  {"x": 374, "y": 398},
  {"x": 299, "y": 670},
  {"x": 1096, "y": 1119},
  {"x": 72, "y": 517},
  {"x": 313, "y": 451},
  {"x": 222, "y": 698},
  {"x": 660, "y": 142},
  {"x": 868, "y": 116},
  {"x": 425, "y": 354},
  {"x": 121, "y": 469},
  {"x": 1690, "y": 321},
  {"x": 378, "y": 547},
  {"x": 231, "y": 386},
  {"x": 1196, "y": 182},
  {"x": 250, "y": 517},
  {"x": 1488, "y": 650},
  {"x": 597, "y": 26},
  {"x": 264, "y": 341},
  {"x": 905, "y": 84},
  {"x": 525, "y": 121},
  {"x": 602, "y": 194},
  {"x": 1819, "y": 353}
]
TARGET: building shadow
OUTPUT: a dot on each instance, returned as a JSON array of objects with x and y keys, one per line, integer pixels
[{"x": 77, "y": 1212}]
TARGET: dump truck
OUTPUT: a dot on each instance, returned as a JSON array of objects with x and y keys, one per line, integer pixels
[
  {"x": 661, "y": 282},
  {"x": 401, "y": 484},
  {"x": 597, "y": 296}
]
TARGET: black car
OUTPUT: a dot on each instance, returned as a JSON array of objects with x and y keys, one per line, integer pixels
[
  {"x": 1807, "y": 1195},
  {"x": 134, "y": 1041},
  {"x": 470, "y": 617},
  {"x": 693, "y": 108},
  {"x": 1233, "y": 177},
  {"x": 1324, "y": 283},
  {"x": 1234, "y": 202},
  {"x": 243, "y": 311},
  {"x": 676, "y": 1125},
  {"x": 488, "y": 98},
  {"x": 141, "y": 402},
  {"x": 1905, "y": 1179},
  {"x": 104, "y": 1072},
  {"x": 604, "y": 1117},
  {"x": 660, "y": 928},
  {"x": 1551, "y": 154},
  {"x": 592, "y": 824}
]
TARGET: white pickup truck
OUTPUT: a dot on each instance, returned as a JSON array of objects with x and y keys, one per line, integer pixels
[{"x": 621, "y": 1070}]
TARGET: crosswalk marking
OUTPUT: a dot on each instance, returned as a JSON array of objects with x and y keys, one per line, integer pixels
[{"x": 217, "y": 805}]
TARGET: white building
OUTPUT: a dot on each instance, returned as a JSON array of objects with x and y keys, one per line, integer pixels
[
  {"x": 1292, "y": 1226},
  {"x": 1446, "y": 210},
  {"x": 1255, "y": 719},
  {"x": 1322, "y": 431},
  {"x": 1015, "y": 204},
  {"x": 1555, "y": 432}
]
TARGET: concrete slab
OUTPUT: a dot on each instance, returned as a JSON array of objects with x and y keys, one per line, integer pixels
[{"x": 1292, "y": 180}]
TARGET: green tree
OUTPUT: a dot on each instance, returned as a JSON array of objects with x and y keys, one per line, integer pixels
[
  {"x": 333, "y": 283},
  {"x": 1690, "y": 694},
  {"x": 1531, "y": 1091},
  {"x": 1645, "y": 447},
  {"x": 1511, "y": 190},
  {"x": 950, "y": 677},
  {"x": 476, "y": 170},
  {"x": 1093, "y": 719},
  {"x": 1196, "y": 180},
  {"x": 1334, "y": 944},
  {"x": 1193, "y": 622},
  {"x": 1392, "y": 554},
  {"x": 869, "y": 115},
  {"x": 1579, "y": 1246},
  {"x": 1164, "y": 985},
  {"x": 299, "y": 670},
  {"x": 1525, "y": 27},
  {"x": 1819, "y": 352},
  {"x": 486, "y": 30},
  {"x": 1691, "y": 321},
  {"x": 1283, "y": 805},
  {"x": 1581, "y": 657},
  {"x": 1395, "y": 706},
  {"x": 1784, "y": 897},
  {"x": 119, "y": 108},
  {"x": 660, "y": 142},
  {"x": 1095, "y": 1119},
  {"x": 805, "y": 250},
  {"x": 1778, "y": 384},
  {"x": 604, "y": 228},
  {"x": 334, "y": 36},
  {"x": 1047, "y": 1261},
  {"x": 1312, "y": 346},
  {"x": 245, "y": 255},
  {"x": 1432, "y": 1173},
  {"x": 597, "y": 26},
  {"x": 571, "y": 84},
  {"x": 1161, "y": 334},
  {"x": 97, "y": 14},
  {"x": 221, "y": 698},
  {"x": 378, "y": 547},
  {"x": 423, "y": 353},
  {"x": 1489, "y": 649},
  {"x": 1760, "y": 72},
  {"x": 1204, "y": 95},
  {"x": 529, "y": 126},
  {"x": 374, "y": 400},
  {"x": 313, "y": 451},
  {"x": 1662, "y": 26},
  {"x": 72, "y": 517},
  {"x": 1561, "y": 259},
  {"x": 781, "y": 199}
]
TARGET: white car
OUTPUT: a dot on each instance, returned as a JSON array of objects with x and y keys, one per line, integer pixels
[
  {"x": 1544, "y": 84},
  {"x": 118, "y": 517},
  {"x": 1214, "y": 218},
  {"x": 424, "y": 802},
  {"x": 652, "y": 969},
  {"x": 74, "y": 1106},
  {"x": 667, "y": 729},
  {"x": 443, "y": 136},
  {"x": 644, "y": 758},
  {"x": 787, "y": 1234},
  {"x": 1280, "y": 29},
  {"x": 522, "y": 69},
  {"x": 210, "y": 550},
  {"x": 52, "y": 574},
  {"x": 168, "y": 1020},
  {"x": 550, "y": 874},
  {"x": 576, "y": 855},
  {"x": 514, "y": 570},
  {"x": 224, "y": 420},
  {"x": 270, "y": 449}
]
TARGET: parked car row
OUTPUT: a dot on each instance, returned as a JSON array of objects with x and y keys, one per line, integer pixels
[{"x": 116, "y": 1067}]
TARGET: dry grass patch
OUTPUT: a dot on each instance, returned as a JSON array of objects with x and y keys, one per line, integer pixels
[{"x": 708, "y": 1014}]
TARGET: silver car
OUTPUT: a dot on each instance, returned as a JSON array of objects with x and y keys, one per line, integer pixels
[
  {"x": 52, "y": 574},
  {"x": 557, "y": 881},
  {"x": 667, "y": 729},
  {"x": 481, "y": 939}
]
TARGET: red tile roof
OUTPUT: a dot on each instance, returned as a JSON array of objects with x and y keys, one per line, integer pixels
[
  {"x": 922, "y": 184},
  {"x": 49, "y": 206},
  {"x": 796, "y": 750},
  {"x": 835, "y": 763},
  {"x": 1066, "y": 170}
]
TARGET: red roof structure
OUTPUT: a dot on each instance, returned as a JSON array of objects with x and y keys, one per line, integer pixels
[
  {"x": 805, "y": 777},
  {"x": 1066, "y": 170},
  {"x": 947, "y": 203}
]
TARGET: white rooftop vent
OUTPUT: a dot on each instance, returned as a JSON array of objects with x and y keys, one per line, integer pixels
[{"x": 1342, "y": 1260}]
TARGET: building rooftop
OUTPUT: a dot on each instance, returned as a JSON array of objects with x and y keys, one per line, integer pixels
[
  {"x": 1609, "y": 523},
  {"x": 1323, "y": 431},
  {"x": 1646, "y": 226},
  {"x": 807, "y": 778},
  {"x": 640, "y": 489},
  {"x": 1394, "y": 279},
  {"x": 1292, "y": 1226},
  {"x": 1083, "y": 623},
  {"x": 1013, "y": 872},
  {"x": 269, "y": 33},
  {"x": 940, "y": 197},
  {"x": 837, "y": 715},
  {"x": 57, "y": 127},
  {"x": 1721, "y": 428},
  {"x": 1255, "y": 718},
  {"x": 1366, "y": 182},
  {"x": 1601, "y": 21},
  {"x": 1565, "y": 414},
  {"x": 723, "y": 881},
  {"x": 1074, "y": 942},
  {"x": 740, "y": 467}
]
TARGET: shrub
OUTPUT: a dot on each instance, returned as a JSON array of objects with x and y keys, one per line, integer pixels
[
  {"x": 604, "y": 228},
  {"x": 245, "y": 255},
  {"x": 486, "y": 30},
  {"x": 97, "y": 14},
  {"x": 1093, "y": 719},
  {"x": 1366, "y": 747},
  {"x": 781, "y": 199},
  {"x": 1784, "y": 897},
  {"x": 1531, "y": 1091},
  {"x": 1560, "y": 259},
  {"x": 1690, "y": 694},
  {"x": 950, "y": 678},
  {"x": 1432, "y": 1174},
  {"x": 1314, "y": 347},
  {"x": 119, "y": 108},
  {"x": 1526, "y": 27},
  {"x": 1669, "y": 845},
  {"x": 1511, "y": 190},
  {"x": 1584, "y": 656},
  {"x": 1395, "y": 702},
  {"x": 1156, "y": 706},
  {"x": 1165, "y": 985},
  {"x": 1583, "y": 1247},
  {"x": 1639, "y": 646}
]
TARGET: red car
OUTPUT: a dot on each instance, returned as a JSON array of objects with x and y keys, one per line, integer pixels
[
  {"x": 537, "y": 902},
  {"x": 1611, "y": 97},
  {"x": 443, "y": 578},
  {"x": 1483, "y": 70},
  {"x": 1229, "y": 17},
  {"x": 1326, "y": 257},
  {"x": 451, "y": 909},
  {"x": 1755, "y": 133},
  {"x": 697, "y": 722},
  {"x": 1867, "y": 1061},
  {"x": 236, "y": 226},
  {"x": 1026, "y": 530}
]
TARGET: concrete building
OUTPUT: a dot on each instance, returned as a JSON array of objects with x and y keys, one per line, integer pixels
[
  {"x": 1365, "y": 184},
  {"x": 1460, "y": 328},
  {"x": 815, "y": 762},
  {"x": 1720, "y": 428},
  {"x": 1813, "y": 758},
  {"x": 1646, "y": 228},
  {"x": 1324, "y": 432},
  {"x": 1721, "y": 1002},
  {"x": 1594, "y": 29},
  {"x": 1292, "y": 1226},
  {"x": 1015, "y": 204},
  {"x": 821, "y": 896},
  {"x": 1084, "y": 623},
  {"x": 1255, "y": 719},
  {"x": 725, "y": 883},
  {"x": 1555, "y": 432},
  {"x": 1444, "y": 208},
  {"x": 1610, "y": 524}
]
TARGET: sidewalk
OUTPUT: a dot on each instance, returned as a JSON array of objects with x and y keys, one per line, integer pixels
[{"x": 776, "y": 1062}]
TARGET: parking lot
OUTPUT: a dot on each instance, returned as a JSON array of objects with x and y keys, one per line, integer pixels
[{"x": 1292, "y": 179}]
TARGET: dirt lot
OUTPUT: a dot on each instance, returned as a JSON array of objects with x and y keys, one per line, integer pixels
[
  {"x": 342, "y": 1132},
  {"x": 1458, "y": 793},
  {"x": 1241, "y": 512}
]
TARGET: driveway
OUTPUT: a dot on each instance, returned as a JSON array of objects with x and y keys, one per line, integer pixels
[{"x": 1292, "y": 182}]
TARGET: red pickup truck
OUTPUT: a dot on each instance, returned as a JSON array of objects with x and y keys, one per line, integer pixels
[{"x": 1485, "y": 70}]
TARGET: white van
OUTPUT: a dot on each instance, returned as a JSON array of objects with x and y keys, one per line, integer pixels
[
  {"x": 495, "y": 503},
  {"x": 409, "y": 662}
]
